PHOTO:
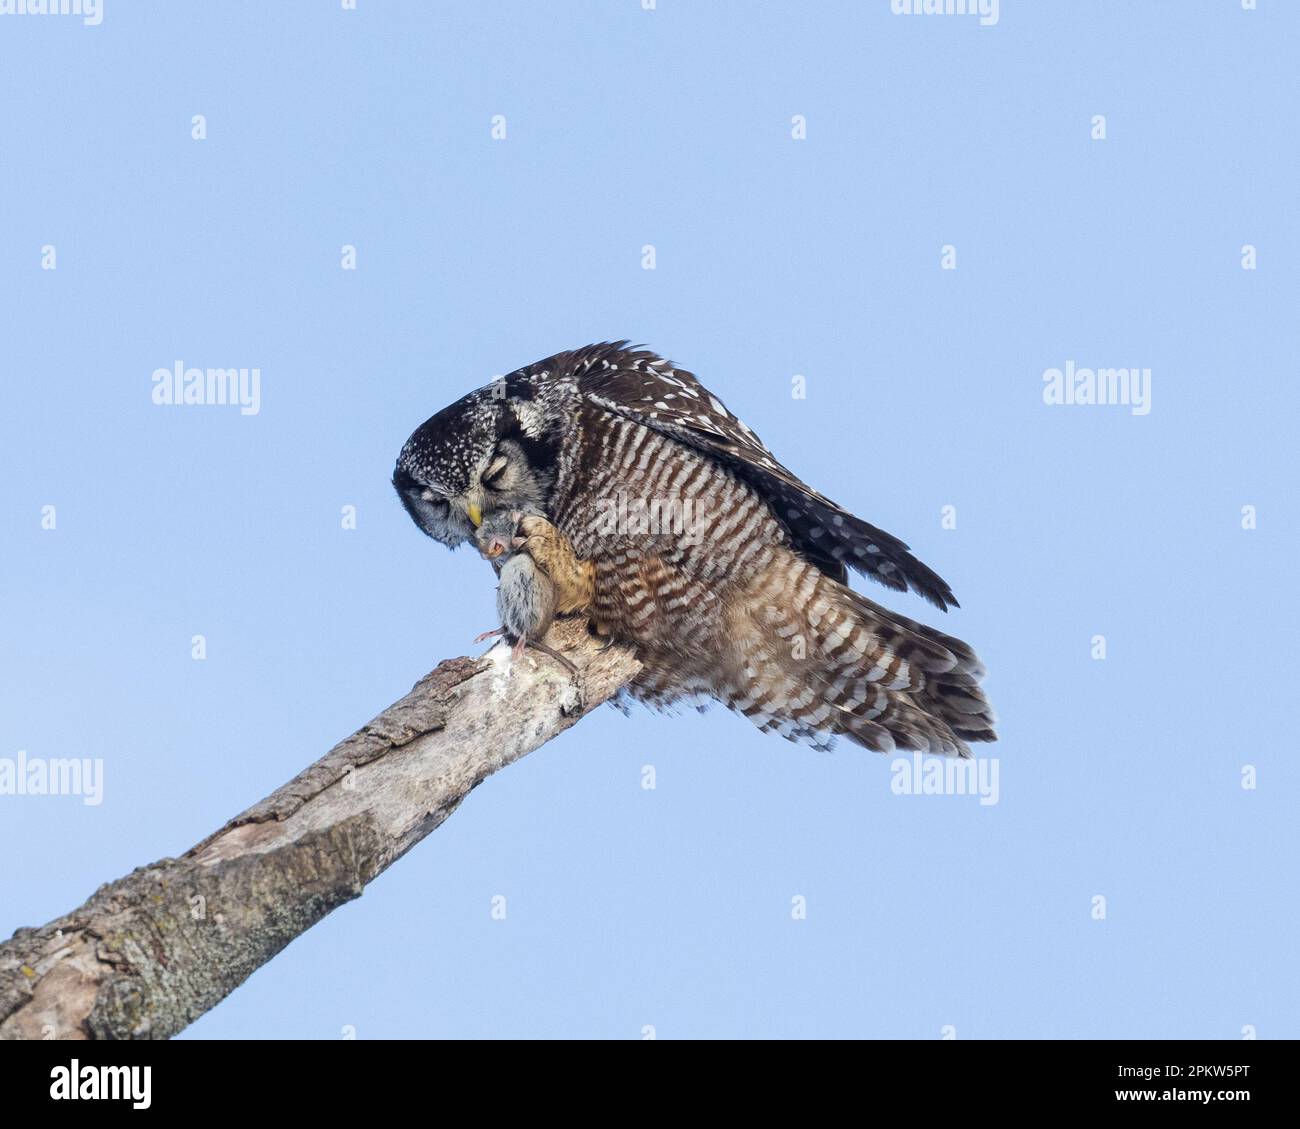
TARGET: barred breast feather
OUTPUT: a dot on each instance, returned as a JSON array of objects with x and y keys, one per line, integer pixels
[{"x": 744, "y": 599}]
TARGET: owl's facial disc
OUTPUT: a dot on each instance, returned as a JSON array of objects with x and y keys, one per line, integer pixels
[
  {"x": 468, "y": 462},
  {"x": 442, "y": 516}
]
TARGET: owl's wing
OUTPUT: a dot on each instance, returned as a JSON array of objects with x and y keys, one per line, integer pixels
[{"x": 641, "y": 386}]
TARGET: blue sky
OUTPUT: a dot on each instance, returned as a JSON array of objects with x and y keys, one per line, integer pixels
[{"x": 774, "y": 256}]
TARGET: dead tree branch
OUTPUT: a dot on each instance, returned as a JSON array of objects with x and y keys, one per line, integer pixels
[{"x": 149, "y": 953}]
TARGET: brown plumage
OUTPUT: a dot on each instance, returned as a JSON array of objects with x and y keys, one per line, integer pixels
[
  {"x": 727, "y": 572},
  {"x": 735, "y": 613}
]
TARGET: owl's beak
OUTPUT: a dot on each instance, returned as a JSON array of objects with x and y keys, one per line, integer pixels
[{"x": 475, "y": 514}]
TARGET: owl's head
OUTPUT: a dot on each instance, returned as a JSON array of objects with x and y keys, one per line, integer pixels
[{"x": 490, "y": 451}]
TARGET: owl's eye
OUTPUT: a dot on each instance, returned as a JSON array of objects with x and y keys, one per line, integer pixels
[
  {"x": 439, "y": 503},
  {"x": 495, "y": 471}
]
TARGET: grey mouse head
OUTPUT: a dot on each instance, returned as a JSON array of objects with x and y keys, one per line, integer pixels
[{"x": 498, "y": 535}]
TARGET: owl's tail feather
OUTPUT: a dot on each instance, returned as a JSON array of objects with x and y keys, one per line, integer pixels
[{"x": 812, "y": 659}]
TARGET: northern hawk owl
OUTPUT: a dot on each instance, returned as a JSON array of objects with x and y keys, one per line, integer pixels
[{"x": 728, "y": 573}]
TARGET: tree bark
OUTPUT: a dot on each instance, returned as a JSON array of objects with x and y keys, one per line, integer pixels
[{"x": 149, "y": 953}]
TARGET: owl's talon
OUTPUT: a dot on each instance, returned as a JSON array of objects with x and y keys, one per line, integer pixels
[
  {"x": 559, "y": 658},
  {"x": 602, "y": 635}
]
